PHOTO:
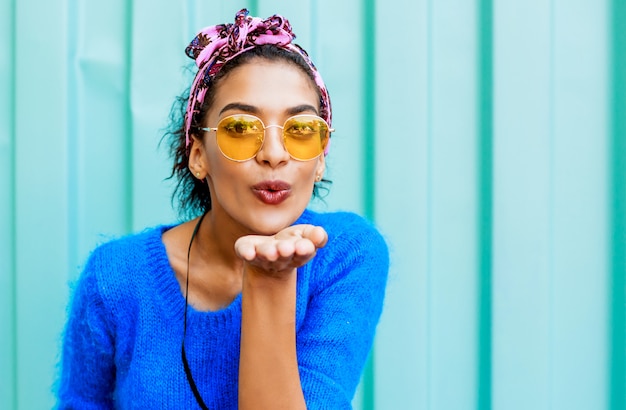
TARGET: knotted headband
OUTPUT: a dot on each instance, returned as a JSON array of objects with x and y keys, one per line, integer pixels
[{"x": 215, "y": 45}]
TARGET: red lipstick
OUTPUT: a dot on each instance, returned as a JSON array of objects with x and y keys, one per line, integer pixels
[{"x": 272, "y": 192}]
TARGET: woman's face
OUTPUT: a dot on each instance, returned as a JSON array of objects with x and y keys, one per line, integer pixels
[{"x": 268, "y": 192}]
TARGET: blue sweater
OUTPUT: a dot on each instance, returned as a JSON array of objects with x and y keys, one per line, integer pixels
[{"x": 122, "y": 343}]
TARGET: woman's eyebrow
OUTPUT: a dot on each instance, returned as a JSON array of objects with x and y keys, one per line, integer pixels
[
  {"x": 239, "y": 107},
  {"x": 299, "y": 109}
]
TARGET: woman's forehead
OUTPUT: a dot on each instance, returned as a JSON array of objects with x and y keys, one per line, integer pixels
[{"x": 264, "y": 85}]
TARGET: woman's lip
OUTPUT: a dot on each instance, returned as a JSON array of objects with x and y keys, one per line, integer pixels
[{"x": 272, "y": 192}]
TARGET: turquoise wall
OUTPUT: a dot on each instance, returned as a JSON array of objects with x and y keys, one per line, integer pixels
[{"x": 487, "y": 138}]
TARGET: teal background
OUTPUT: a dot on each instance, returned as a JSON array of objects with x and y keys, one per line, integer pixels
[{"x": 486, "y": 138}]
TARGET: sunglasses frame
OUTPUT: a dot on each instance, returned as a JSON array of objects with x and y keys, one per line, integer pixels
[{"x": 265, "y": 127}]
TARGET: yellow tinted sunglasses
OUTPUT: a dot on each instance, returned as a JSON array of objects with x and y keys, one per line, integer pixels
[{"x": 240, "y": 136}]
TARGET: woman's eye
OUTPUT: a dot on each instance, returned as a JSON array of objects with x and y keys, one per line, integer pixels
[
  {"x": 301, "y": 128},
  {"x": 240, "y": 127}
]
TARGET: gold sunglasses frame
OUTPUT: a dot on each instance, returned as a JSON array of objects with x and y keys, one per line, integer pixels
[{"x": 265, "y": 127}]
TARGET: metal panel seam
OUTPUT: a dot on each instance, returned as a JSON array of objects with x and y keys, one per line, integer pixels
[
  {"x": 128, "y": 155},
  {"x": 13, "y": 205},
  {"x": 617, "y": 203},
  {"x": 485, "y": 198},
  {"x": 369, "y": 155}
]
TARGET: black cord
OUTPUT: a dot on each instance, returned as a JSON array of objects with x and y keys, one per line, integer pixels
[{"x": 190, "y": 380}]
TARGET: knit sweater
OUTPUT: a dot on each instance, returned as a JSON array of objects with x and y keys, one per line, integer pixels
[{"x": 122, "y": 342}]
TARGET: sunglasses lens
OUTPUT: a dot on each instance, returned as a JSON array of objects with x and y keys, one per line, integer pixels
[
  {"x": 305, "y": 136},
  {"x": 240, "y": 137}
]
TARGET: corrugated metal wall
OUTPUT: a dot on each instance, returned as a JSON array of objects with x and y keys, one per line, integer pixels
[{"x": 487, "y": 138}]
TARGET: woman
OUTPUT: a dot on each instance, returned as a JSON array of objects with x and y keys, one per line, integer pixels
[{"x": 256, "y": 302}]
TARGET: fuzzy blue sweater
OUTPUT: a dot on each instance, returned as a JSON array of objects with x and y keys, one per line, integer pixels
[{"x": 122, "y": 342}]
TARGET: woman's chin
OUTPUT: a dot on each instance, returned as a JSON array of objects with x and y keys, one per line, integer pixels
[{"x": 271, "y": 223}]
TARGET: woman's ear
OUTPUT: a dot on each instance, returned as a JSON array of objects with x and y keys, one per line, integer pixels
[
  {"x": 321, "y": 167},
  {"x": 198, "y": 164}
]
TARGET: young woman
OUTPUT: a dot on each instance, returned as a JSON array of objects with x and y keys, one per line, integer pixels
[{"x": 256, "y": 302}]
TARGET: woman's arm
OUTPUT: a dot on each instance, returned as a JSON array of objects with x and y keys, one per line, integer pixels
[
  {"x": 268, "y": 365},
  {"x": 342, "y": 299},
  {"x": 343, "y": 289},
  {"x": 87, "y": 375}
]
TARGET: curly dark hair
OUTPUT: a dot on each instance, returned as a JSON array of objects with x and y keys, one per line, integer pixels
[{"x": 191, "y": 196}]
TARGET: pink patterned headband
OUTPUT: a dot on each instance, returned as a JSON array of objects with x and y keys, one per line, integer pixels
[{"x": 216, "y": 45}]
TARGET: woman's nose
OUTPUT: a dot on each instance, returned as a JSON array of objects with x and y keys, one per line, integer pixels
[{"x": 273, "y": 149}]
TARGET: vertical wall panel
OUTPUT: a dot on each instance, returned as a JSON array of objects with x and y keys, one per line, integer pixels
[
  {"x": 157, "y": 58},
  {"x": 403, "y": 347},
  {"x": 522, "y": 274},
  {"x": 579, "y": 193},
  {"x": 41, "y": 222},
  {"x": 338, "y": 49},
  {"x": 97, "y": 119},
  {"x": 452, "y": 200}
]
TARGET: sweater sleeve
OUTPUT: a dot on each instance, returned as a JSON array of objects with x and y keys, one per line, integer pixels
[
  {"x": 341, "y": 316},
  {"x": 87, "y": 376}
]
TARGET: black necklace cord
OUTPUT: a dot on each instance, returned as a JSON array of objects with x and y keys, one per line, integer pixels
[{"x": 190, "y": 380}]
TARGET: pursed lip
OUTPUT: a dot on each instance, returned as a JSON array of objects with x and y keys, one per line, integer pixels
[{"x": 272, "y": 192}]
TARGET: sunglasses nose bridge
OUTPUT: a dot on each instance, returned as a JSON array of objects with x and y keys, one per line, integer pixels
[
  {"x": 274, "y": 126},
  {"x": 267, "y": 132},
  {"x": 273, "y": 141}
]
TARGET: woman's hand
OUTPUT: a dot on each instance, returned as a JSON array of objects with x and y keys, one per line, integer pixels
[{"x": 279, "y": 254}]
